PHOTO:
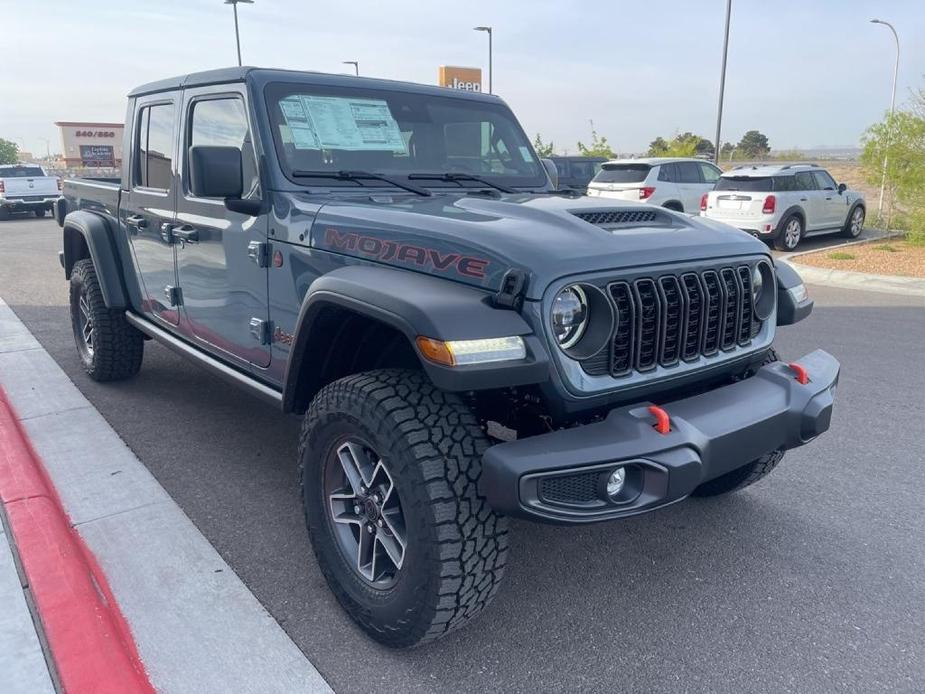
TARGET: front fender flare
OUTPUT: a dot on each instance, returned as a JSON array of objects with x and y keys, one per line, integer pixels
[
  {"x": 788, "y": 310},
  {"x": 96, "y": 234},
  {"x": 415, "y": 305}
]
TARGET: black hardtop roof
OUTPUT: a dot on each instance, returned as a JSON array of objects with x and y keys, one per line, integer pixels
[{"x": 228, "y": 75}]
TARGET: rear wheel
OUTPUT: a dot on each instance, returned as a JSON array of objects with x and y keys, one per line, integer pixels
[
  {"x": 791, "y": 233},
  {"x": 675, "y": 206},
  {"x": 39, "y": 213},
  {"x": 4, "y": 213},
  {"x": 389, "y": 469},
  {"x": 855, "y": 223},
  {"x": 110, "y": 348}
]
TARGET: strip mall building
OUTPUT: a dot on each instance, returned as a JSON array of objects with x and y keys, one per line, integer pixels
[{"x": 91, "y": 144}]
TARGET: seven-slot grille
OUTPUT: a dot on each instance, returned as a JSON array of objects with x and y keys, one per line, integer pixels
[{"x": 677, "y": 317}]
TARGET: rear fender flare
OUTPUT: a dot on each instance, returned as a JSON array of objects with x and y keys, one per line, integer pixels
[{"x": 85, "y": 229}]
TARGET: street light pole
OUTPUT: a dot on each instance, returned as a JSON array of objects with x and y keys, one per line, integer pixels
[
  {"x": 356, "y": 66},
  {"x": 892, "y": 109},
  {"x": 237, "y": 37},
  {"x": 489, "y": 31},
  {"x": 722, "y": 85},
  {"x": 47, "y": 147}
]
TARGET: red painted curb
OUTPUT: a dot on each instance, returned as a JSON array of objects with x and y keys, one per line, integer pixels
[{"x": 90, "y": 641}]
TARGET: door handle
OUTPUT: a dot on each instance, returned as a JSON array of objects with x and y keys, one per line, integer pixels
[
  {"x": 136, "y": 221},
  {"x": 803, "y": 199},
  {"x": 186, "y": 233}
]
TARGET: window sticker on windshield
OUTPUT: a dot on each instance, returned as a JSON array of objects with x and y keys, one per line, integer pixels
[
  {"x": 525, "y": 154},
  {"x": 327, "y": 122}
]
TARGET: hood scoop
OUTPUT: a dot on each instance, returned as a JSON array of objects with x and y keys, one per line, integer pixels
[{"x": 609, "y": 219}]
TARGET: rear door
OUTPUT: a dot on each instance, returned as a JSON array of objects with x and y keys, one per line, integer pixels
[
  {"x": 222, "y": 256},
  {"x": 811, "y": 198},
  {"x": 834, "y": 205},
  {"x": 690, "y": 185},
  {"x": 146, "y": 211}
]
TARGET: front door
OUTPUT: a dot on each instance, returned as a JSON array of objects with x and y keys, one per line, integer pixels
[
  {"x": 222, "y": 256},
  {"x": 147, "y": 208},
  {"x": 834, "y": 205}
]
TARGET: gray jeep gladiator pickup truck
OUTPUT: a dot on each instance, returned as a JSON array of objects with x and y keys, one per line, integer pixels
[{"x": 392, "y": 262}]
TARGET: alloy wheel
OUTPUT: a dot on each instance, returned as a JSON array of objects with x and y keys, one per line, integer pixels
[
  {"x": 792, "y": 233},
  {"x": 857, "y": 222},
  {"x": 84, "y": 325},
  {"x": 366, "y": 513}
]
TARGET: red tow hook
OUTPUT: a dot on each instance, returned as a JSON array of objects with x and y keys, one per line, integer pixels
[
  {"x": 662, "y": 420},
  {"x": 802, "y": 375}
]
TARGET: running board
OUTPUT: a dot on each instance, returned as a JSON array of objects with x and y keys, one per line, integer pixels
[{"x": 213, "y": 365}]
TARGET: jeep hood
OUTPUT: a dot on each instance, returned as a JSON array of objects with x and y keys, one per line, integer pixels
[{"x": 476, "y": 240}]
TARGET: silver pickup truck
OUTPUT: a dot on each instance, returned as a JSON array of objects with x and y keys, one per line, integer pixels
[{"x": 26, "y": 188}]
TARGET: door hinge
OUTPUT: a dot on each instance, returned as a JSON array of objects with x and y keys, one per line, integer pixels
[
  {"x": 259, "y": 252},
  {"x": 260, "y": 330},
  {"x": 174, "y": 295}
]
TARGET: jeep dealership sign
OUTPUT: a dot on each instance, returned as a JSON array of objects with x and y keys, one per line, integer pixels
[{"x": 466, "y": 78}]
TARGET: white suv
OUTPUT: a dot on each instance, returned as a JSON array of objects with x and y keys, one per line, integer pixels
[
  {"x": 677, "y": 184},
  {"x": 784, "y": 203}
]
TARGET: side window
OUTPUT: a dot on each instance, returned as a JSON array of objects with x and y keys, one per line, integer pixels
[
  {"x": 154, "y": 142},
  {"x": 223, "y": 123},
  {"x": 562, "y": 167},
  {"x": 824, "y": 181},
  {"x": 805, "y": 181},
  {"x": 688, "y": 172},
  {"x": 784, "y": 183},
  {"x": 668, "y": 172},
  {"x": 710, "y": 173}
]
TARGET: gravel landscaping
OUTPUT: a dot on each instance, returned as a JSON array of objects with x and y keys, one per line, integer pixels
[{"x": 892, "y": 257}]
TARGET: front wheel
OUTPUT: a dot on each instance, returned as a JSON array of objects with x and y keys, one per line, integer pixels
[
  {"x": 389, "y": 468},
  {"x": 855, "y": 223},
  {"x": 791, "y": 233}
]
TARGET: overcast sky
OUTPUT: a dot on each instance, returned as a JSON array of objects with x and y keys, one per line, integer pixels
[{"x": 806, "y": 73}]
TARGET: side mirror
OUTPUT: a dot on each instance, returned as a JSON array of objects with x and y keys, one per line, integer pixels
[
  {"x": 842, "y": 188},
  {"x": 216, "y": 172},
  {"x": 551, "y": 171}
]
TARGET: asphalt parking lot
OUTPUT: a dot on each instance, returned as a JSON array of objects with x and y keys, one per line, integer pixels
[{"x": 811, "y": 581}]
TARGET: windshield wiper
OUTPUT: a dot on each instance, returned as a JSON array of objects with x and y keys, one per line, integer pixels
[
  {"x": 361, "y": 176},
  {"x": 457, "y": 177}
]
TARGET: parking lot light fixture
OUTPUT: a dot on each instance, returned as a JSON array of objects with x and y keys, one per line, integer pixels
[
  {"x": 892, "y": 109},
  {"x": 488, "y": 30},
  {"x": 237, "y": 37}
]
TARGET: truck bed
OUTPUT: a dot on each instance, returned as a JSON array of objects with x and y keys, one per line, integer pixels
[{"x": 97, "y": 194}]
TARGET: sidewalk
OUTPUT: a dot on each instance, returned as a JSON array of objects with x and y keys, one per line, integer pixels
[
  {"x": 123, "y": 583},
  {"x": 22, "y": 662}
]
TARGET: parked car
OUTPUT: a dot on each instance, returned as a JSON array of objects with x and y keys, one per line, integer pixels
[
  {"x": 26, "y": 188},
  {"x": 576, "y": 172},
  {"x": 785, "y": 203},
  {"x": 677, "y": 184},
  {"x": 463, "y": 344}
]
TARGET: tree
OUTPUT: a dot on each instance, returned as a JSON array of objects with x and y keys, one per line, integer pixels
[
  {"x": 543, "y": 149},
  {"x": 9, "y": 152},
  {"x": 657, "y": 146},
  {"x": 900, "y": 139},
  {"x": 681, "y": 145},
  {"x": 753, "y": 145},
  {"x": 598, "y": 147}
]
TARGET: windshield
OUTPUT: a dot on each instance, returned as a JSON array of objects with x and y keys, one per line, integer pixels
[
  {"x": 20, "y": 172},
  {"x": 322, "y": 128},
  {"x": 622, "y": 173},
  {"x": 755, "y": 184}
]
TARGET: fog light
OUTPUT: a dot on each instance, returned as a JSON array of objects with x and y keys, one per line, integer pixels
[{"x": 616, "y": 481}]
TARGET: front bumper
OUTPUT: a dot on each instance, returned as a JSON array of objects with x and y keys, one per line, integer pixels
[{"x": 560, "y": 477}]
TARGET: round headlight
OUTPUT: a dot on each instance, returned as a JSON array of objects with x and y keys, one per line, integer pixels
[
  {"x": 569, "y": 315},
  {"x": 757, "y": 282}
]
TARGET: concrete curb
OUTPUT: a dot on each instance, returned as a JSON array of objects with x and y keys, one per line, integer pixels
[
  {"x": 891, "y": 284},
  {"x": 196, "y": 625}
]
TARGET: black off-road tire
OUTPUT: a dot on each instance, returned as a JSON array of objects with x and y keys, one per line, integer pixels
[
  {"x": 749, "y": 473},
  {"x": 457, "y": 545},
  {"x": 117, "y": 347},
  {"x": 39, "y": 213},
  {"x": 4, "y": 213}
]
